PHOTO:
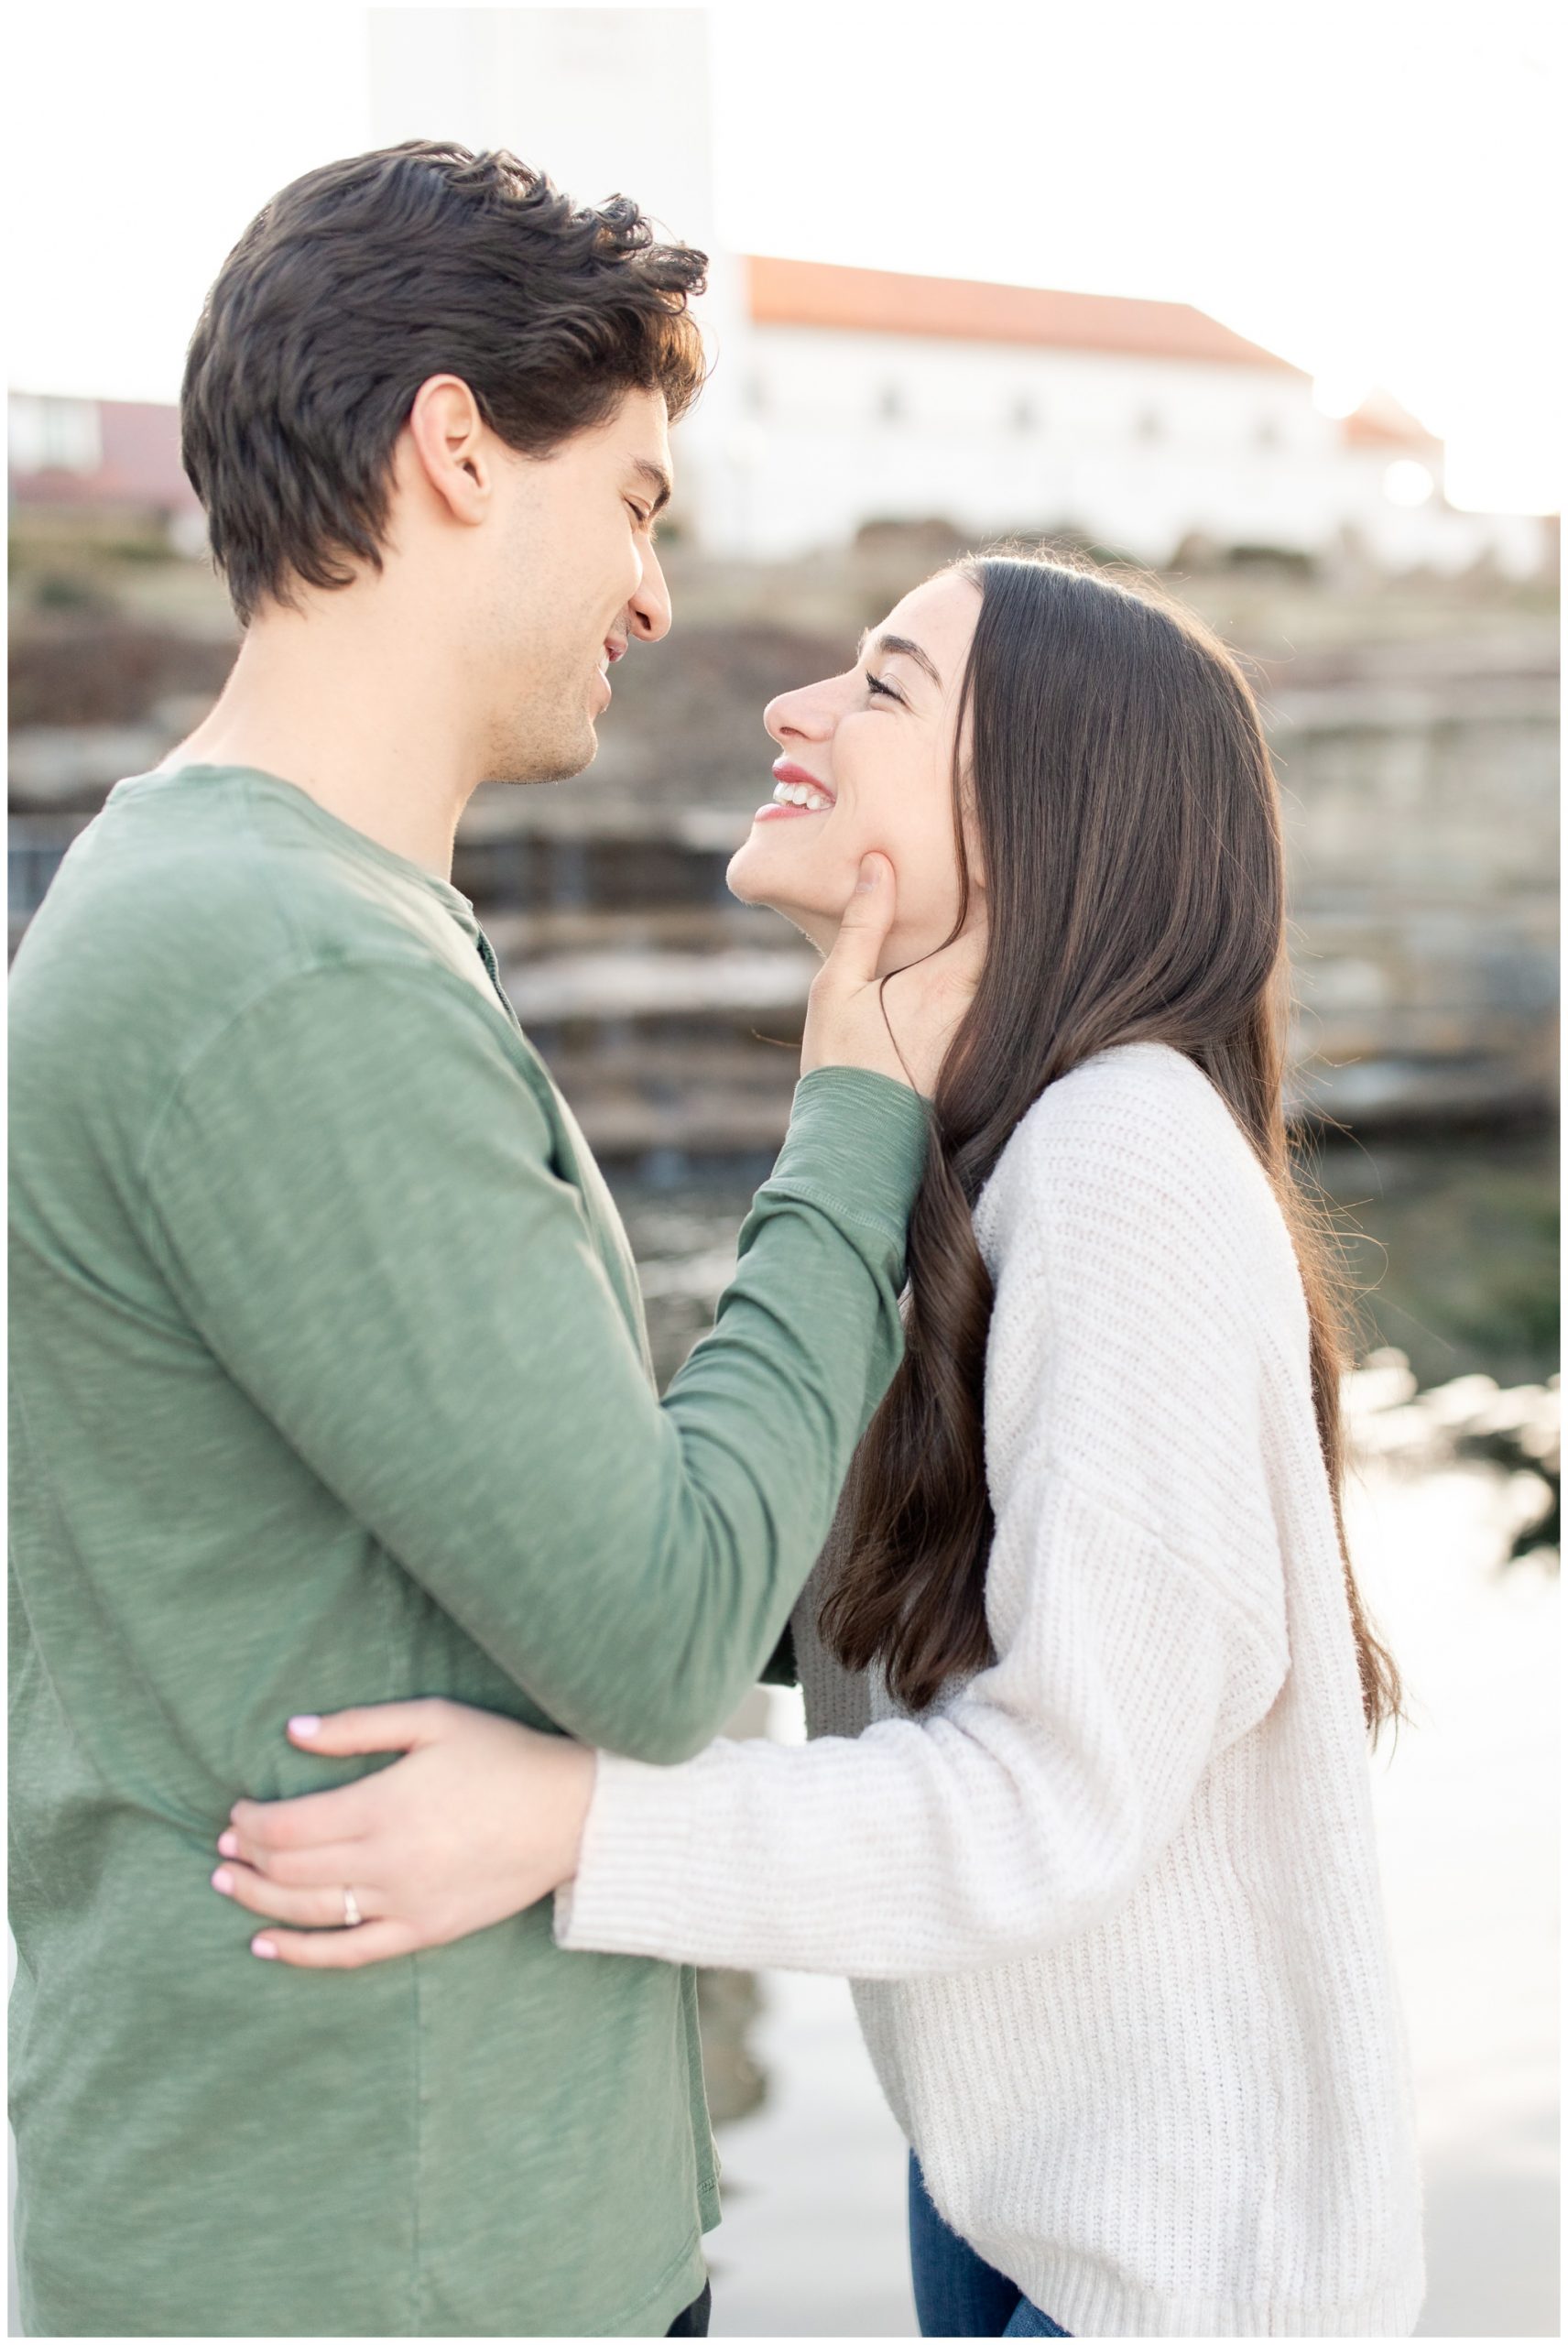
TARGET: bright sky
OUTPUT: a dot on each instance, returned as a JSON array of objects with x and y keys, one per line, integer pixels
[{"x": 1364, "y": 186}]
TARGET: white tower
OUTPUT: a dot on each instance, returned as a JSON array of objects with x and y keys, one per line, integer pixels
[{"x": 609, "y": 102}]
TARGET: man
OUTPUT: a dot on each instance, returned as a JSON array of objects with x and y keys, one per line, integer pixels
[{"x": 329, "y": 1371}]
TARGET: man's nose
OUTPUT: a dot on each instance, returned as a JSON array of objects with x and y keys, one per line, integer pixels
[{"x": 648, "y": 613}]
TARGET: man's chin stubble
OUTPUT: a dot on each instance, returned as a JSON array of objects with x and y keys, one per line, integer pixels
[{"x": 517, "y": 765}]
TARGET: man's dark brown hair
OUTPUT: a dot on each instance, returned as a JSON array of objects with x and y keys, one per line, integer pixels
[{"x": 363, "y": 278}]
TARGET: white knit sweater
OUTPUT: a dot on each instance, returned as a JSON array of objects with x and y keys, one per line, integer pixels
[{"x": 1113, "y": 1907}]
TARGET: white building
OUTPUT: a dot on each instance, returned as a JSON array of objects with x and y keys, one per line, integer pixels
[
  {"x": 1143, "y": 425},
  {"x": 841, "y": 395}
]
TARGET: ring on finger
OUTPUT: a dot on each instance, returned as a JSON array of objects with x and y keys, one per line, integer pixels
[{"x": 350, "y": 1913}]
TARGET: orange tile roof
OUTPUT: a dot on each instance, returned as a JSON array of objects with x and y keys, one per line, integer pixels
[
  {"x": 1381, "y": 422},
  {"x": 879, "y": 300}
]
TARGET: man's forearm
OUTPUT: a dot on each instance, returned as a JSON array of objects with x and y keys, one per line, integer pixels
[{"x": 770, "y": 1406}]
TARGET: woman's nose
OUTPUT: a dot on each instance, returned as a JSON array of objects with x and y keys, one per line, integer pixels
[{"x": 805, "y": 714}]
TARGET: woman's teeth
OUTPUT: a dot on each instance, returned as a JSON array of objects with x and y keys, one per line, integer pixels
[{"x": 801, "y": 793}]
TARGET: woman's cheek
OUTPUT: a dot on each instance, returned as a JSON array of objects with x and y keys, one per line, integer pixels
[
  {"x": 926, "y": 896},
  {"x": 783, "y": 864}
]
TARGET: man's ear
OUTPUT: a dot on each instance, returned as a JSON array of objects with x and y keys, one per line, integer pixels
[{"x": 451, "y": 447}]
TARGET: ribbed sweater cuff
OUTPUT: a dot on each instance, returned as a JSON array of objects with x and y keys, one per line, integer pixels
[{"x": 624, "y": 1899}]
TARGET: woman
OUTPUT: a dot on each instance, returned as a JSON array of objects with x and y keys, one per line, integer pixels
[{"x": 1086, "y": 1813}]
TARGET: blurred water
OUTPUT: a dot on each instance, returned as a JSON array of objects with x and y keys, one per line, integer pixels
[{"x": 1453, "y": 1237}]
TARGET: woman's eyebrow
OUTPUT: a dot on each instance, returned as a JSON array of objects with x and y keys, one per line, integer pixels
[{"x": 889, "y": 644}]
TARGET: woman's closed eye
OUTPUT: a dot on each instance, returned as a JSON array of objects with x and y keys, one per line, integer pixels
[{"x": 875, "y": 684}]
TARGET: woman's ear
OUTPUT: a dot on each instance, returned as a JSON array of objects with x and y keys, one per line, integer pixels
[
  {"x": 974, "y": 857},
  {"x": 452, "y": 447}
]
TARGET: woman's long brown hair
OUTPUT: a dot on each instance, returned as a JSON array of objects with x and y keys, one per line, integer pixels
[{"x": 1128, "y": 821}]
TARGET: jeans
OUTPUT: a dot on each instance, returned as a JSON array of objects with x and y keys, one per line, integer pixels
[
  {"x": 693, "y": 2321},
  {"x": 957, "y": 2293}
]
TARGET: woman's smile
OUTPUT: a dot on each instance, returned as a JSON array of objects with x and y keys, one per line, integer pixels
[{"x": 795, "y": 791}]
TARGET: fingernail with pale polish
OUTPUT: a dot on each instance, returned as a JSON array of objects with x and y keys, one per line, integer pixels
[
  {"x": 224, "y": 1881},
  {"x": 228, "y": 1844},
  {"x": 305, "y": 1728},
  {"x": 265, "y": 1947}
]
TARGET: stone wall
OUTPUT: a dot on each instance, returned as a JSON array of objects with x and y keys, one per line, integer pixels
[
  {"x": 1413, "y": 726},
  {"x": 1422, "y": 824}
]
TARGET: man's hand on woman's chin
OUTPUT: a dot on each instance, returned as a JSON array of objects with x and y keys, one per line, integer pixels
[
  {"x": 900, "y": 1025},
  {"x": 480, "y": 1818}
]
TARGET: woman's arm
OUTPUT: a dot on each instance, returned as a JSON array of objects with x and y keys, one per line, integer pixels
[{"x": 1024, "y": 1812}]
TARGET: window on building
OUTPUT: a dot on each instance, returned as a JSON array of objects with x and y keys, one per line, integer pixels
[{"x": 54, "y": 434}]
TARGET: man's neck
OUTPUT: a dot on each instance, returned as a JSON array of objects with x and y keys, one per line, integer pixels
[{"x": 362, "y": 720}]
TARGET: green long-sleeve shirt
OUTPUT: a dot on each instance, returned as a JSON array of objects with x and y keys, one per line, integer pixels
[{"x": 330, "y": 1386}]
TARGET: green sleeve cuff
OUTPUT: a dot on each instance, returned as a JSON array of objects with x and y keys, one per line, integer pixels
[{"x": 859, "y": 1138}]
